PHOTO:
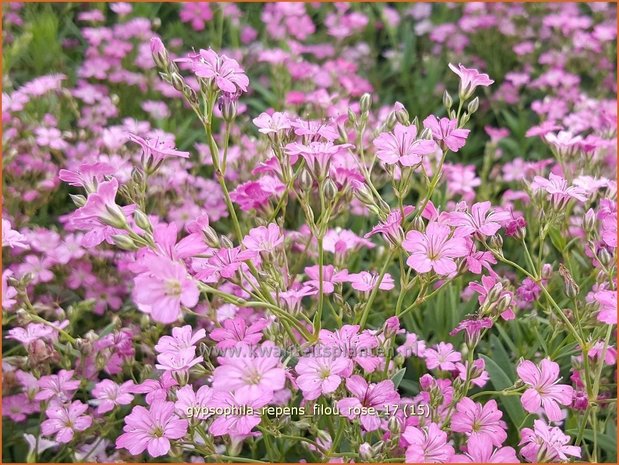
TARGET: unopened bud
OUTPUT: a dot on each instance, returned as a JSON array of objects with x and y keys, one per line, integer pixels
[
  {"x": 401, "y": 116},
  {"x": 504, "y": 302},
  {"x": 142, "y": 220},
  {"x": 418, "y": 224},
  {"x": 352, "y": 118},
  {"x": 394, "y": 425},
  {"x": 570, "y": 286},
  {"x": 604, "y": 256},
  {"x": 78, "y": 200},
  {"x": 589, "y": 221},
  {"x": 546, "y": 271},
  {"x": 426, "y": 134},
  {"x": 306, "y": 181},
  {"x": 124, "y": 242},
  {"x": 329, "y": 189},
  {"x": 496, "y": 242},
  {"x": 210, "y": 237},
  {"x": 365, "y": 452},
  {"x": 225, "y": 242},
  {"x": 447, "y": 100},
  {"x": 494, "y": 293},
  {"x": 473, "y": 106},
  {"x": 365, "y": 102},
  {"x": 159, "y": 52},
  {"x": 177, "y": 82}
]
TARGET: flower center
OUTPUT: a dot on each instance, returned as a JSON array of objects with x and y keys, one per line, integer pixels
[{"x": 173, "y": 288}]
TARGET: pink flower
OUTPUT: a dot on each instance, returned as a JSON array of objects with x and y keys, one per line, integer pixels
[
  {"x": 329, "y": 278},
  {"x": 222, "y": 71},
  {"x": 391, "y": 228},
  {"x": 442, "y": 356},
  {"x": 182, "y": 339},
  {"x": 543, "y": 388},
  {"x": 608, "y": 306},
  {"x": 477, "y": 420},
  {"x": 197, "y": 14},
  {"x": 447, "y": 132},
  {"x": 321, "y": 375},
  {"x": 65, "y": 420},
  {"x": 366, "y": 281},
  {"x": 434, "y": 249},
  {"x": 272, "y": 124},
  {"x": 427, "y": 445},
  {"x": 560, "y": 192},
  {"x": 470, "y": 79},
  {"x": 478, "y": 375},
  {"x": 481, "y": 220},
  {"x": 187, "y": 401},
  {"x": 241, "y": 413},
  {"x": 253, "y": 195},
  {"x": 235, "y": 331},
  {"x": 59, "y": 387},
  {"x": 402, "y": 146},
  {"x": 264, "y": 238},
  {"x": 375, "y": 396},
  {"x": 109, "y": 394},
  {"x": 317, "y": 155},
  {"x": 88, "y": 175},
  {"x": 151, "y": 429},
  {"x": 8, "y": 292},
  {"x": 155, "y": 150},
  {"x": 12, "y": 238},
  {"x": 349, "y": 342},
  {"x": 412, "y": 346},
  {"x": 156, "y": 389},
  {"x": 101, "y": 206},
  {"x": 479, "y": 449},
  {"x": 163, "y": 288},
  {"x": 546, "y": 444},
  {"x": 252, "y": 372}
]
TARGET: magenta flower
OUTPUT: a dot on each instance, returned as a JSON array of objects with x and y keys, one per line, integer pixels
[
  {"x": 264, "y": 238},
  {"x": 446, "y": 130},
  {"x": 252, "y": 372},
  {"x": 478, "y": 374},
  {"x": 427, "y": 445},
  {"x": 65, "y": 420},
  {"x": 366, "y": 281},
  {"x": 480, "y": 421},
  {"x": 253, "y": 195},
  {"x": 470, "y": 79},
  {"x": 224, "y": 72},
  {"x": 442, "y": 356},
  {"x": 434, "y": 249},
  {"x": 162, "y": 290},
  {"x": 543, "y": 391},
  {"x": 479, "y": 449},
  {"x": 402, "y": 146},
  {"x": 234, "y": 331},
  {"x": 196, "y": 14},
  {"x": 349, "y": 342},
  {"x": 151, "y": 429},
  {"x": 329, "y": 278},
  {"x": 87, "y": 175},
  {"x": 57, "y": 387},
  {"x": 109, "y": 394},
  {"x": 377, "y": 396},
  {"x": 481, "y": 220},
  {"x": 544, "y": 443},
  {"x": 321, "y": 375}
]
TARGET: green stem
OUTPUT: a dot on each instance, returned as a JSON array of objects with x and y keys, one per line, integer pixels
[{"x": 368, "y": 305}]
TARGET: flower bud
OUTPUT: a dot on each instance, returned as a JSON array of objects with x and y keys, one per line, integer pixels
[
  {"x": 570, "y": 286},
  {"x": 352, "y": 118},
  {"x": 177, "y": 81},
  {"x": 228, "y": 106},
  {"x": 306, "y": 182},
  {"x": 496, "y": 242},
  {"x": 494, "y": 293},
  {"x": 473, "y": 106},
  {"x": 124, "y": 242},
  {"x": 604, "y": 256},
  {"x": 225, "y": 242},
  {"x": 401, "y": 116},
  {"x": 329, "y": 189},
  {"x": 365, "y": 452},
  {"x": 589, "y": 221},
  {"x": 391, "y": 120},
  {"x": 159, "y": 52},
  {"x": 210, "y": 237},
  {"x": 503, "y": 303},
  {"x": 78, "y": 200},
  {"x": 142, "y": 220},
  {"x": 394, "y": 425},
  {"x": 546, "y": 271},
  {"x": 365, "y": 102},
  {"x": 447, "y": 100},
  {"x": 418, "y": 224}
]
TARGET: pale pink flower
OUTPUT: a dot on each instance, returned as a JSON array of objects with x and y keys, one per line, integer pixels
[
  {"x": 442, "y": 356},
  {"x": 8, "y": 292},
  {"x": 330, "y": 277},
  {"x": 412, "y": 346},
  {"x": 349, "y": 342},
  {"x": 477, "y": 420},
  {"x": 544, "y": 443},
  {"x": 608, "y": 306},
  {"x": 321, "y": 375},
  {"x": 188, "y": 400},
  {"x": 101, "y": 206},
  {"x": 156, "y": 149},
  {"x": 234, "y": 331},
  {"x": 224, "y": 72},
  {"x": 434, "y": 249},
  {"x": 470, "y": 79},
  {"x": 252, "y": 371},
  {"x": 481, "y": 219},
  {"x": 65, "y": 420},
  {"x": 182, "y": 339},
  {"x": 12, "y": 238},
  {"x": 401, "y": 145},
  {"x": 560, "y": 192},
  {"x": 109, "y": 394},
  {"x": 87, "y": 175},
  {"x": 479, "y": 449},
  {"x": 427, "y": 445},
  {"x": 162, "y": 290},
  {"x": 391, "y": 228},
  {"x": 378, "y": 396},
  {"x": 196, "y": 14},
  {"x": 264, "y": 238},
  {"x": 156, "y": 389},
  {"x": 478, "y": 375},
  {"x": 366, "y": 281},
  {"x": 272, "y": 124},
  {"x": 543, "y": 391},
  {"x": 151, "y": 429},
  {"x": 446, "y": 130},
  {"x": 241, "y": 413},
  {"x": 59, "y": 387}
]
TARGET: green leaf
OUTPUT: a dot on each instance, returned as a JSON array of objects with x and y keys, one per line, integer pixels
[
  {"x": 605, "y": 442},
  {"x": 398, "y": 376},
  {"x": 500, "y": 380},
  {"x": 500, "y": 356},
  {"x": 557, "y": 239}
]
